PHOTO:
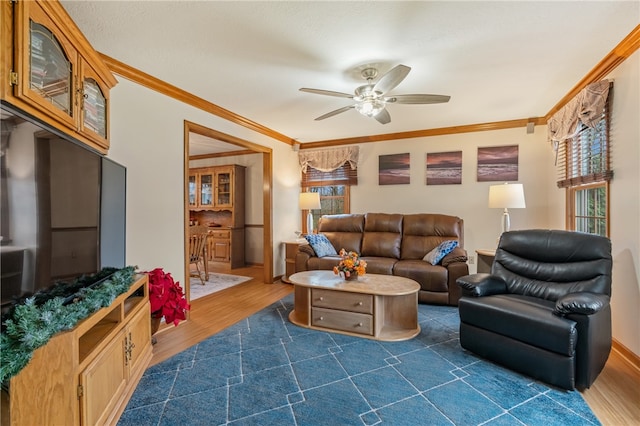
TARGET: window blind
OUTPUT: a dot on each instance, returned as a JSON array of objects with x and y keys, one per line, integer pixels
[
  {"x": 343, "y": 175},
  {"x": 585, "y": 157}
]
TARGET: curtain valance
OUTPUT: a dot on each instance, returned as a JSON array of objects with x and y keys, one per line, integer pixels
[
  {"x": 327, "y": 160},
  {"x": 586, "y": 107}
]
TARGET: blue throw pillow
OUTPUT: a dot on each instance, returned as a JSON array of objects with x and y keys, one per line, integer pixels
[
  {"x": 435, "y": 256},
  {"x": 321, "y": 245}
]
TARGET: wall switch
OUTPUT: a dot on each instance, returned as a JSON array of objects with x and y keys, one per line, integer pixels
[{"x": 472, "y": 260}]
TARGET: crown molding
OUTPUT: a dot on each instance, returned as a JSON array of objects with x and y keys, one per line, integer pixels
[
  {"x": 619, "y": 54},
  {"x": 153, "y": 83}
]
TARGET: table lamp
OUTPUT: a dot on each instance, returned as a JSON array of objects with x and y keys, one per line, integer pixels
[
  {"x": 309, "y": 201},
  {"x": 507, "y": 196}
]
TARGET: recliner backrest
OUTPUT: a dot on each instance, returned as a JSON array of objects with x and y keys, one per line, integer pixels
[
  {"x": 383, "y": 235},
  {"x": 422, "y": 232},
  {"x": 551, "y": 263},
  {"x": 343, "y": 230}
]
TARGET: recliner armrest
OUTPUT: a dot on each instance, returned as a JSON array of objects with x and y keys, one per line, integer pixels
[
  {"x": 584, "y": 303},
  {"x": 478, "y": 285}
]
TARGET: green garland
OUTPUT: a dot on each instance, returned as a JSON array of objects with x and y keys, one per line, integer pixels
[{"x": 32, "y": 323}]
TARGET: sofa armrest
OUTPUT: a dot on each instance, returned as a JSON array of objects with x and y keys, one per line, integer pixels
[
  {"x": 458, "y": 254},
  {"x": 305, "y": 252},
  {"x": 478, "y": 285},
  {"x": 584, "y": 303}
]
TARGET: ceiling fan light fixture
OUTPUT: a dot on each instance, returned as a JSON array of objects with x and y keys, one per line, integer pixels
[
  {"x": 370, "y": 107},
  {"x": 371, "y": 100}
]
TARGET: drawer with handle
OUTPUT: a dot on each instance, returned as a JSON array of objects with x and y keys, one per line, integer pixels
[
  {"x": 354, "y": 302},
  {"x": 342, "y": 320}
]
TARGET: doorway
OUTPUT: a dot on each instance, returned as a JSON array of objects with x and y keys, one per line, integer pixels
[{"x": 244, "y": 147}]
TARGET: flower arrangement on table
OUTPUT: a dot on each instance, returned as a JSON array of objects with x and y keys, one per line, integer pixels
[
  {"x": 166, "y": 297},
  {"x": 351, "y": 266}
]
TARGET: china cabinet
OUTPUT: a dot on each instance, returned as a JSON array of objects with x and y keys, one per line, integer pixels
[
  {"x": 215, "y": 188},
  {"x": 85, "y": 376},
  {"x": 217, "y": 193},
  {"x": 53, "y": 73}
]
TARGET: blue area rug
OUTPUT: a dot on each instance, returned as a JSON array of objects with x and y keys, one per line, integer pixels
[{"x": 266, "y": 371}]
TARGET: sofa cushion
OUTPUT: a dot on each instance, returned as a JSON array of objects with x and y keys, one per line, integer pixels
[
  {"x": 379, "y": 265},
  {"x": 430, "y": 277},
  {"x": 322, "y": 263},
  {"x": 382, "y": 235},
  {"x": 524, "y": 318},
  {"x": 437, "y": 254},
  {"x": 321, "y": 245}
]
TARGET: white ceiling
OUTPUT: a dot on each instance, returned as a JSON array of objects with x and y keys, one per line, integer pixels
[{"x": 498, "y": 60}]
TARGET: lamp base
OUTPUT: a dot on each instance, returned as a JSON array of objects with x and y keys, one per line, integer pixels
[
  {"x": 309, "y": 223},
  {"x": 506, "y": 222}
]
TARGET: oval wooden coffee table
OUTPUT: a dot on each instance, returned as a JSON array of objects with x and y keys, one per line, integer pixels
[{"x": 380, "y": 307}]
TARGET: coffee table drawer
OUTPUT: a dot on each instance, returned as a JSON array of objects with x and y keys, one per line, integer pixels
[
  {"x": 354, "y": 302},
  {"x": 342, "y": 320}
]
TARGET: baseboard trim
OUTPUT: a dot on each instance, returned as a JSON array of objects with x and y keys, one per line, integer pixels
[{"x": 627, "y": 355}]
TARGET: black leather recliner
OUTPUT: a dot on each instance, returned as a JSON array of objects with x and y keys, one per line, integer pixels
[{"x": 544, "y": 308}]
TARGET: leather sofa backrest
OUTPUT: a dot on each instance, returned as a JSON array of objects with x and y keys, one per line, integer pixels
[
  {"x": 423, "y": 232},
  {"x": 383, "y": 235},
  {"x": 551, "y": 263},
  {"x": 343, "y": 230}
]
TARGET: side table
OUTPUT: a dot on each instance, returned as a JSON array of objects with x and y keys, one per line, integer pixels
[
  {"x": 290, "y": 250},
  {"x": 485, "y": 260}
]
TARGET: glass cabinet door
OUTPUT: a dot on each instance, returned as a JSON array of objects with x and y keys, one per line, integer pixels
[
  {"x": 206, "y": 190},
  {"x": 50, "y": 69},
  {"x": 48, "y": 66},
  {"x": 192, "y": 190},
  {"x": 223, "y": 189},
  {"x": 94, "y": 108}
]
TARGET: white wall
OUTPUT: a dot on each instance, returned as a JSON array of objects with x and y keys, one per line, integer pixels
[
  {"x": 468, "y": 200},
  {"x": 147, "y": 138},
  {"x": 625, "y": 203}
]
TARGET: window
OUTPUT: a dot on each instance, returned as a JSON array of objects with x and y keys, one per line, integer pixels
[
  {"x": 333, "y": 187},
  {"x": 584, "y": 170}
]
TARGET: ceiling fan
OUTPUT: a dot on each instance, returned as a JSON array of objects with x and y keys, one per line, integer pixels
[{"x": 371, "y": 99}]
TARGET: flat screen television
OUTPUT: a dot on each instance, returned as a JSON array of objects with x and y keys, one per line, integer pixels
[{"x": 62, "y": 208}]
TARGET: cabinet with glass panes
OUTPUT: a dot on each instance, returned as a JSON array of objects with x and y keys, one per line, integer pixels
[
  {"x": 216, "y": 188},
  {"x": 55, "y": 74}
]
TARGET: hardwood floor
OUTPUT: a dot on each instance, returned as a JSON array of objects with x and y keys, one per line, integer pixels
[{"x": 614, "y": 397}]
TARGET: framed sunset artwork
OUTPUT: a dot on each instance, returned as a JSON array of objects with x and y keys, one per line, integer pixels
[
  {"x": 394, "y": 169},
  {"x": 444, "y": 168},
  {"x": 498, "y": 163}
]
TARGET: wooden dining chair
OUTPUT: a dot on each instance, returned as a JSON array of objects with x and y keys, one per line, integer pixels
[{"x": 198, "y": 251}]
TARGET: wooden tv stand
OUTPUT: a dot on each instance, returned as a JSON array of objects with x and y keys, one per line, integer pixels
[
  {"x": 85, "y": 376},
  {"x": 380, "y": 307}
]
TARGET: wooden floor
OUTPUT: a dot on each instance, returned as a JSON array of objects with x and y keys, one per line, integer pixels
[{"x": 614, "y": 397}]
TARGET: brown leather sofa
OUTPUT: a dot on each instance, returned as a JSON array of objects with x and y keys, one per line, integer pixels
[{"x": 395, "y": 244}]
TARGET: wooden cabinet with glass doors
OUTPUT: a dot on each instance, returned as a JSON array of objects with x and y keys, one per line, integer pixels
[
  {"x": 215, "y": 187},
  {"x": 52, "y": 72}
]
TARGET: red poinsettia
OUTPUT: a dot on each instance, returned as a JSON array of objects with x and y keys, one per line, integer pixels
[{"x": 166, "y": 297}]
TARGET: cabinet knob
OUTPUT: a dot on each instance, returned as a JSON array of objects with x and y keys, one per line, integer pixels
[
  {"x": 321, "y": 318},
  {"x": 359, "y": 303},
  {"x": 359, "y": 324},
  {"x": 321, "y": 299}
]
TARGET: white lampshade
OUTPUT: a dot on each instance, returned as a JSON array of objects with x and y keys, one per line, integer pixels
[
  {"x": 309, "y": 201},
  {"x": 506, "y": 196}
]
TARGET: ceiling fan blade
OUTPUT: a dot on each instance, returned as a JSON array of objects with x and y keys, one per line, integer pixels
[
  {"x": 391, "y": 79},
  {"x": 326, "y": 92},
  {"x": 335, "y": 112},
  {"x": 383, "y": 117},
  {"x": 418, "y": 99}
]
